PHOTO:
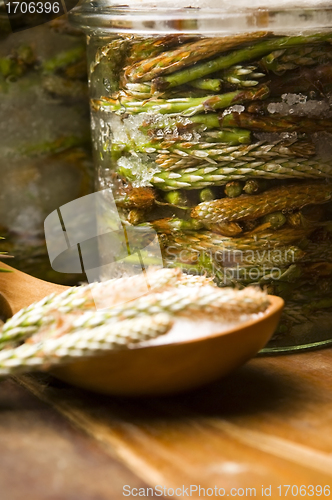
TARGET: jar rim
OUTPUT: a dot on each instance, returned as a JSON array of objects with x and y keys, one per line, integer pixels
[{"x": 101, "y": 17}]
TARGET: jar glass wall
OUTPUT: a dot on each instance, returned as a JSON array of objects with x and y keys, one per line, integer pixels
[{"x": 215, "y": 130}]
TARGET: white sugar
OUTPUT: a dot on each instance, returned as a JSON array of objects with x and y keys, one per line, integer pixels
[
  {"x": 183, "y": 329},
  {"x": 300, "y": 105}
]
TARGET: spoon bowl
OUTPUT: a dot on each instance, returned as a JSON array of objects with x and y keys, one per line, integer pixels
[{"x": 210, "y": 352}]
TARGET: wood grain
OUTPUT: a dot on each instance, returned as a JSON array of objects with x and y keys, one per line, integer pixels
[
  {"x": 44, "y": 458},
  {"x": 267, "y": 424}
]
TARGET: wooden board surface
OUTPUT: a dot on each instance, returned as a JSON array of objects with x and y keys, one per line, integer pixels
[
  {"x": 267, "y": 424},
  {"x": 42, "y": 457}
]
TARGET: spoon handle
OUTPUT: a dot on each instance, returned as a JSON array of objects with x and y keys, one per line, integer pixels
[{"x": 19, "y": 290}]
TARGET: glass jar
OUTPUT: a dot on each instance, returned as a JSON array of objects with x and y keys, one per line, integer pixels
[
  {"x": 45, "y": 145},
  {"x": 213, "y": 126}
]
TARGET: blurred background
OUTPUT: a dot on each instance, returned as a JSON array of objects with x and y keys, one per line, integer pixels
[{"x": 45, "y": 151}]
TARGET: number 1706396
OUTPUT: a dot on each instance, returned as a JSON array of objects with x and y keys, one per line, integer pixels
[{"x": 33, "y": 7}]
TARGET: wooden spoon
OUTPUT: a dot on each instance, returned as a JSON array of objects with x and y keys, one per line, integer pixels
[
  {"x": 19, "y": 290},
  {"x": 153, "y": 369}
]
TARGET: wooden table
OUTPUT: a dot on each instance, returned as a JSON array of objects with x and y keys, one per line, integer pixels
[{"x": 267, "y": 424}]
